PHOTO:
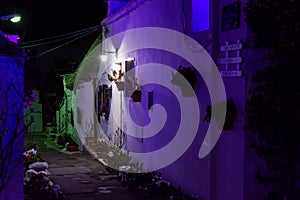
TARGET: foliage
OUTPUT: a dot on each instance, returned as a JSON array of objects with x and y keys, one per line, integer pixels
[
  {"x": 275, "y": 23},
  {"x": 134, "y": 177},
  {"x": 230, "y": 114},
  {"x": 116, "y": 75},
  {"x": 136, "y": 96},
  {"x": 31, "y": 154},
  {"x": 30, "y": 145},
  {"x": 273, "y": 107},
  {"x": 65, "y": 139},
  {"x": 112, "y": 155},
  {"x": 187, "y": 72},
  {"x": 40, "y": 187},
  {"x": 154, "y": 185},
  {"x": 37, "y": 183},
  {"x": 30, "y": 99}
]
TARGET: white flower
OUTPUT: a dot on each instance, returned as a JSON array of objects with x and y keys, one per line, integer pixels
[{"x": 31, "y": 151}]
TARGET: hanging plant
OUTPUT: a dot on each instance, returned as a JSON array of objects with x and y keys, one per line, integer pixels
[
  {"x": 120, "y": 85},
  {"x": 117, "y": 78},
  {"x": 136, "y": 96},
  {"x": 187, "y": 72},
  {"x": 230, "y": 114},
  {"x": 116, "y": 75}
]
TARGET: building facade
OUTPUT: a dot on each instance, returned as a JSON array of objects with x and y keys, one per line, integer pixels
[
  {"x": 145, "y": 42},
  {"x": 12, "y": 119}
]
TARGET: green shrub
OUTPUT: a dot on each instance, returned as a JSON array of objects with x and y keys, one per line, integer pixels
[{"x": 63, "y": 139}]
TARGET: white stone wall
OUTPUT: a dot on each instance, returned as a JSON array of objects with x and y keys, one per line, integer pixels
[
  {"x": 221, "y": 174},
  {"x": 84, "y": 109}
]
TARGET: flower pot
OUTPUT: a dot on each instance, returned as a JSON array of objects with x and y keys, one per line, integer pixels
[
  {"x": 136, "y": 96},
  {"x": 230, "y": 116},
  {"x": 72, "y": 148},
  {"x": 120, "y": 85}
]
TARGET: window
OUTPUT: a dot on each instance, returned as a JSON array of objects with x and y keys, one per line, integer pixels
[
  {"x": 130, "y": 80},
  {"x": 103, "y": 102},
  {"x": 200, "y": 15}
]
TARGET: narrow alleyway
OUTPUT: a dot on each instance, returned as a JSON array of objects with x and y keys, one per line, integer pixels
[{"x": 81, "y": 176}]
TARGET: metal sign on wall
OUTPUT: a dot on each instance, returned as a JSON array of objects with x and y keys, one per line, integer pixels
[
  {"x": 232, "y": 60},
  {"x": 231, "y": 15}
]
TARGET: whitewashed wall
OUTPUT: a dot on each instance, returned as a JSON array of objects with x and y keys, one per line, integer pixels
[
  {"x": 222, "y": 174},
  {"x": 84, "y": 109}
]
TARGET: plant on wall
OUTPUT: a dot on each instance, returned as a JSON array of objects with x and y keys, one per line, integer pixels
[
  {"x": 136, "y": 95},
  {"x": 116, "y": 75},
  {"x": 117, "y": 78},
  {"x": 189, "y": 73},
  {"x": 230, "y": 114},
  {"x": 66, "y": 140}
]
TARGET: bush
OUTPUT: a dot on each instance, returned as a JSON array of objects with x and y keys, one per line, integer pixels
[
  {"x": 31, "y": 154},
  {"x": 64, "y": 139}
]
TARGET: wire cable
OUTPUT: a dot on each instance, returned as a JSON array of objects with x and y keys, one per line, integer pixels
[
  {"x": 52, "y": 49},
  {"x": 61, "y": 39},
  {"x": 53, "y": 37}
]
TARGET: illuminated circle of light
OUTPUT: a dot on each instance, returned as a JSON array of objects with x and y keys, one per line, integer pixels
[{"x": 184, "y": 46}]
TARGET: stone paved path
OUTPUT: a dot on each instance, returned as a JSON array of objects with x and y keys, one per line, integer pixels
[{"x": 82, "y": 177}]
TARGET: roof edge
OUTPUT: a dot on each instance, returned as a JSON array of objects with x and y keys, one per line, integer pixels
[{"x": 129, "y": 7}]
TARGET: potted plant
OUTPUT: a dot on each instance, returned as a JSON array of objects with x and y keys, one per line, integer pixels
[
  {"x": 189, "y": 73},
  {"x": 72, "y": 146},
  {"x": 117, "y": 78},
  {"x": 230, "y": 114},
  {"x": 136, "y": 95},
  {"x": 67, "y": 141}
]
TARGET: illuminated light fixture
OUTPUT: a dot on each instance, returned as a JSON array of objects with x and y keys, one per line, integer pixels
[
  {"x": 103, "y": 56},
  {"x": 13, "y": 18}
]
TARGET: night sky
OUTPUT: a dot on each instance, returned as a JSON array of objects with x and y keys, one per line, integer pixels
[
  {"x": 50, "y": 18},
  {"x": 45, "y": 19}
]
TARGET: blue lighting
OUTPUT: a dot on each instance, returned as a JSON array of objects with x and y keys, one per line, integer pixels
[{"x": 200, "y": 15}]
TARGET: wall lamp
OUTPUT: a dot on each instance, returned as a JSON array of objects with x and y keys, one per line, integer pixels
[
  {"x": 103, "y": 56},
  {"x": 13, "y": 18}
]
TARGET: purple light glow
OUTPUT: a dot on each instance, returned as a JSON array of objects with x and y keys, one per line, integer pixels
[{"x": 200, "y": 15}]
